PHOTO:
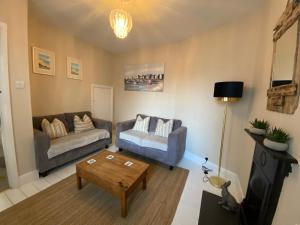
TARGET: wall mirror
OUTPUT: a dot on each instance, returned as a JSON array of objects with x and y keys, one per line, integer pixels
[
  {"x": 284, "y": 58},
  {"x": 283, "y": 93}
]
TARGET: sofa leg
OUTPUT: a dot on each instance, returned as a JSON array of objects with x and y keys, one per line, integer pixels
[
  {"x": 43, "y": 174},
  {"x": 120, "y": 149},
  {"x": 106, "y": 146},
  {"x": 171, "y": 167}
]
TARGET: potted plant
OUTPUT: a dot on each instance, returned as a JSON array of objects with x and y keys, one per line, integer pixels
[
  {"x": 259, "y": 127},
  {"x": 276, "y": 139}
]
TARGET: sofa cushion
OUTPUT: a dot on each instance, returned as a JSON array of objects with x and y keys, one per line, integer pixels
[
  {"x": 75, "y": 140},
  {"x": 148, "y": 140},
  {"x": 163, "y": 129},
  {"x": 83, "y": 124},
  {"x": 156, "y": 142},
  {"x": 70, "y": 118},
  {"x": 133, "y": 136},
  {"x": 56, "y": 129},
  {"x": 142, "y": 124},
  {"x": 154, "y": 120}
]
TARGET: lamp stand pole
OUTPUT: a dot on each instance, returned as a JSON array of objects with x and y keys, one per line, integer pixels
[{"x": 218, "y": 181}]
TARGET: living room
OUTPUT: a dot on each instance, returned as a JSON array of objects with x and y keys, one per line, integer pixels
[{"x": 195, "y": 45}]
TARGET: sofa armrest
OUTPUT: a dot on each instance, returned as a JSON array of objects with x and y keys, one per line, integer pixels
[
  {"x": 176, "y": 145},
  {"x": 123, "y": 126},
  {"x": 126, "y": 125},
  {"x": 103, "y": 124},
  {"x": 41, "y": 146}
]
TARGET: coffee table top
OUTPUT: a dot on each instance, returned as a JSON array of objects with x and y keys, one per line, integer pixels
[{"x": 113, "y": 171}]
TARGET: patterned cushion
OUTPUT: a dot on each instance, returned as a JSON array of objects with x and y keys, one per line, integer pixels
[
  {"x": 83, "y": 124},
  {"x": 55, "y": 129},
  {"x": 141, "y": 125},
  {"x": 163, "y": 129}
]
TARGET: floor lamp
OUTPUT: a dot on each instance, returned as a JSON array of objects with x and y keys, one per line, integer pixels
[{"x": 227, "y": 92}]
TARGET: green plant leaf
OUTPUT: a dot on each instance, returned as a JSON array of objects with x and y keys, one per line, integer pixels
[
  {"x": 277, "y": 135},
  {"x": 260, "y": 124}
]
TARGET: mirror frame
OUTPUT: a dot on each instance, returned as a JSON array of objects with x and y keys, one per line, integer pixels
[{"x": 285, "y": 98}]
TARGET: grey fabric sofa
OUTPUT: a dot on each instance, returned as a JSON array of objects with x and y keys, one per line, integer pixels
[
  {"x": 166, "y": 150},
  {"x": 89, "y": 141}
]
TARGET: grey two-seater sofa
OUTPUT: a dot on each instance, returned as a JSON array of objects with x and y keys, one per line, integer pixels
[
  {"x": 166, "y": 150},
  {"x": 57, "y": 152}
]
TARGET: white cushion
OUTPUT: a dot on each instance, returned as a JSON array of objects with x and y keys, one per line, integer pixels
[
  {"x": 156, "y": 142},
  {"x": 141, "y": 125},
  {"x": 133, "y": 136},
  {"x": 163, "y": 128},
  {"x": 75, "y": 140},
  {"x": 83, "y": 124}
]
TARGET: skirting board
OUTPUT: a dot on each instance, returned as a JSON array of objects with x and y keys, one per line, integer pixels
[
  {"x": 227, "y": 174},
  {"x": 28, "y": 177}
]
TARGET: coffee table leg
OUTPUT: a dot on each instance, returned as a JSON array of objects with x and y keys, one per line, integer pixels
[
  {"x": 79, "y": 185},
  {"x": 145, "y": 182},
  {"x": 124, "y": 204}
]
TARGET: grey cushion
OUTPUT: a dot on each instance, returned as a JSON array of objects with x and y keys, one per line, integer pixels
[
  {"x": 133, "y": 136},
  {"x": 75, "y": 140},
  {"x": 156, "y": 142}
]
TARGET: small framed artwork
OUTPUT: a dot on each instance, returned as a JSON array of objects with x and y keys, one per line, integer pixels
[
  {"x": 43, "y": 61},
  {"x": 74, "y": 68}
]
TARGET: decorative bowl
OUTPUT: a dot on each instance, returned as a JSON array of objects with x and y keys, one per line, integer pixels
[
  {"x": 254, "y": 130},
  {"x": 276, "y": 146}
]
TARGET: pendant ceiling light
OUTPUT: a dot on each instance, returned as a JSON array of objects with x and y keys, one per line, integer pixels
[{"x": 121, "y": 22}]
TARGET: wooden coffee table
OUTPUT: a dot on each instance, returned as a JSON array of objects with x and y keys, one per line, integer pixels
[{"x": 113, "y": 176}]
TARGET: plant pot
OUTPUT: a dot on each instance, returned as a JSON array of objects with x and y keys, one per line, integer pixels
[
  {"x": 276, "y": 146},
  {"x": 254, "y": 130}
]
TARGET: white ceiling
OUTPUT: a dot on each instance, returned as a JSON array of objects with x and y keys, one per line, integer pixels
[{"x": 154, "y": 21}]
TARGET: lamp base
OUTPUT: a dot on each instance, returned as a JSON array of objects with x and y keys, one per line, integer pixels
[{"x": 216, "y": 181}]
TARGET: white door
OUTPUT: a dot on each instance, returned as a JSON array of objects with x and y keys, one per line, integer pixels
[
  {"x": 7, "y": 134},
  {"x": 102, "y": 102}
]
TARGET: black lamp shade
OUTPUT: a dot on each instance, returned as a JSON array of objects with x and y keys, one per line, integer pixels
[{"x": 231, "y": 89}]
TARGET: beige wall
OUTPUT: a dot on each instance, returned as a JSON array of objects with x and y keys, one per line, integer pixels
[
  {"x": 288, "y": 208},
  {"x": 192, "y": 67},
  {"x": 14, "y": 14},
  {"x": 50, "y": 95}
]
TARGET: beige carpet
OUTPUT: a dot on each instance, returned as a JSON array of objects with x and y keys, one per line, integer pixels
[{"x": 64, "y": 204}]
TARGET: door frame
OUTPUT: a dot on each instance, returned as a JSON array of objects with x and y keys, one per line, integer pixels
[
  {"x": 6, "y": 117},
  {"x": 112, "y": 97}
]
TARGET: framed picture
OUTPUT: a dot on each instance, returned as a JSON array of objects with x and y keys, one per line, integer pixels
[
  {"x": 74, "y": 68},
  {"x": 147, "y": 77},
  {"x": 43, "y": 61}
]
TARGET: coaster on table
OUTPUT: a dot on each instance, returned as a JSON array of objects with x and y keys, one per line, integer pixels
[
  {"x": 128, "y": 163},
  {"x": 91, "y": 161},
  {"x": 110, "y": 157}
]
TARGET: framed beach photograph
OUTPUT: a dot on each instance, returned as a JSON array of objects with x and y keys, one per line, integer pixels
[
  {"x": 43, "y": 61},
  {"x": 74, "y": 68}
]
